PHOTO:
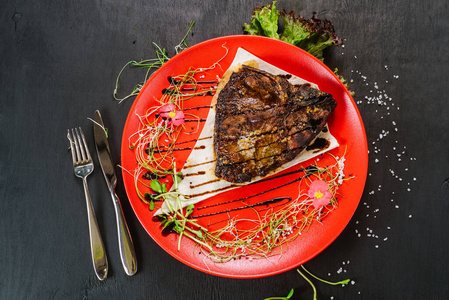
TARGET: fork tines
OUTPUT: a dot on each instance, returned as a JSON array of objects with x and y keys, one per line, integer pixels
[{"x": 78, "y": 145}]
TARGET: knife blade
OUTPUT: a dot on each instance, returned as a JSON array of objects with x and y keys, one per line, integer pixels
[{"x": 126, "y": 246}]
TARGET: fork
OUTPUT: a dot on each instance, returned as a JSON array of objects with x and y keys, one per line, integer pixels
[{"x": 83, "y": 167}]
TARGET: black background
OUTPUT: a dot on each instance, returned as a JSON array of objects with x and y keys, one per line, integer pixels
[{"x": 58, "y": 64}]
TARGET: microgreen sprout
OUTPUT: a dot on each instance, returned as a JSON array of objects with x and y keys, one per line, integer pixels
[
  {"x": 102, "y": 127},
  {"x": 183, "y": 44},
  {"x": 150, "y": 65},
  {"x": 310, "y": 282},
  {"x": 282, "y": 298},
  {"x": 343, "y": 282}
]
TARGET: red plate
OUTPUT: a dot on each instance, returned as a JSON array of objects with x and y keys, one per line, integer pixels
[{"x": 345, "y": 124}]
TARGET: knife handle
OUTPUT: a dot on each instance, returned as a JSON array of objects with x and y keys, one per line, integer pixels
[{"x": 126, "y": 246}]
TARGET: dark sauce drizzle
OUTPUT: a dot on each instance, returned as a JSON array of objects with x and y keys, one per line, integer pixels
[
  {"x": 194, "y": 120},
  {"x": 205, "y": 138},
  {"x": 204, "y": 183},
  {"x": 151, "y": 176},
  {"x": 263, "y": 203},
  {"x": 184, "y": 142},
  {"x": 173, "y": 81},
  {"x": 200, "y": 164},
  {"x": 279, "y": 201},
  {"x": 198, "y": 107},
  {"x": 194, "y": 174},
  {"x": 207, "y": 91},
  {"x": 179, "y": 149},
  {"x": 170, "y": 150},
  {"x": 259, "y": 210},
  {"x": 168, "y": 91},
  {"x": 163, "y": 149},
  {"x": 318, "y": 145},
  {"x": 308, "y": 170}
]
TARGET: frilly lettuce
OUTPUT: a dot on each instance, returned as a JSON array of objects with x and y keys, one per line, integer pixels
[
  {"x": 264, "y": 21},
  {"x": 312, "y": 35}
]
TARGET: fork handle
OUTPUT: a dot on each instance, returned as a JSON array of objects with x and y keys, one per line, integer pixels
[
  {"x": 99, "y": 258},
  {"x": 126, "y": 246}
]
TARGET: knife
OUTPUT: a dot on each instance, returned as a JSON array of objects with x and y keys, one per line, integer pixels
[{"x": 127, "y": 252}]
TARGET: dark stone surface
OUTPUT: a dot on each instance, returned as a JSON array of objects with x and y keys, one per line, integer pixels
[{"x": 58, "y": 64}]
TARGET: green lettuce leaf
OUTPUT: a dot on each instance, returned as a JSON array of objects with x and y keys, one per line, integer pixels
[
  {"x": 264, "y": 21},
  {"x": 312, "y": 35}
]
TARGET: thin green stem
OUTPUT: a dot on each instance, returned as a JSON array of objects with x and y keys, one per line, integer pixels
[
  {"x": 282, "y": 298},
  {"x": 310, "y": 282},
  {"x": 325, "y": 281}
]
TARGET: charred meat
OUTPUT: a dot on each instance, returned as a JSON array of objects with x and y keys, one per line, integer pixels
[{"x": 263, "y": 121}]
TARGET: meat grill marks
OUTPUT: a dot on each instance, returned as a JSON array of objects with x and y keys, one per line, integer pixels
[{"x": 262, "y": 121}]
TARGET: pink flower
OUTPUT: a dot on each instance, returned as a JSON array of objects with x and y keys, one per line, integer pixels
[
  {"x": 178, "y": 119},
  {"x": 169, "y": 113},
  {"x": 319, "y": 192}
]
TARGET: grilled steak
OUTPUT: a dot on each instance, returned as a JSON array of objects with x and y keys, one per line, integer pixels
[{"x": 263, "y": 121}]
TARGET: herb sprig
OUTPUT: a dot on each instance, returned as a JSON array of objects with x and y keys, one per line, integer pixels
[
  {"x": 150, "y": 65},
  {"x": 342, "y": 282}
]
